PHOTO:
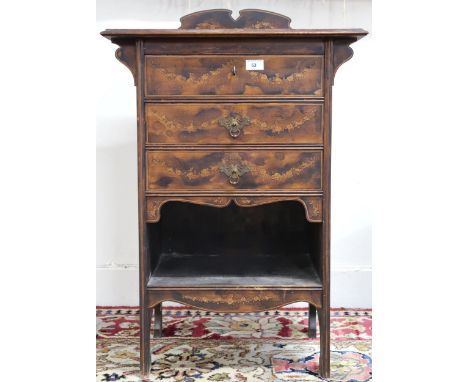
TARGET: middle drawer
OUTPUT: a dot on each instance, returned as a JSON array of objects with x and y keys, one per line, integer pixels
[
  {"x": 217, "y": 170},
  {"x": 227, "y": 123}
]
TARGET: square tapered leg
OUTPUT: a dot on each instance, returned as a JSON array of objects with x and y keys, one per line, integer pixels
[
  {"x": 324, "y": 322},
  {"x": 158, "y": 321},
  {"x": 145, "y": 346}
]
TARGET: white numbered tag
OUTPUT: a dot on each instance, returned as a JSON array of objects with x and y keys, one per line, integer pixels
[{"x": 254, "y": 64}]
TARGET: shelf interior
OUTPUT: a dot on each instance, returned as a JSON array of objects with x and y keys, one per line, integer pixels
[{"x": 271, "y": 245}]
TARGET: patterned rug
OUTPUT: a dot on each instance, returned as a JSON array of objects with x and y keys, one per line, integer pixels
[{"x": 254, "y": 347}]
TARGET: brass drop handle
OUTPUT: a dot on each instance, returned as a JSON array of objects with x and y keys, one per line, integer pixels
[
  {"x": 234, "y": 70},
  {"x": 234, "y": 171},
  {"x": 235, "y": 129},
  {"x": 234, "y": 124}
]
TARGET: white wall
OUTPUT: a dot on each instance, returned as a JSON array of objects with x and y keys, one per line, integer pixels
[{"x": 117, "y": 240}]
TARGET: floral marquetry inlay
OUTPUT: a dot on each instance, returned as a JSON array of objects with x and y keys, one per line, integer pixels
[
  {"x": 282, "y": 176},
  {"x": 290, "y": 83},
  {"x": 208, "y": 170},
  {"x": 225, "y": 123},
  {"x": 192, "y": 78},
  {"x": 229, "y": 299},
  {"x": 210, "y": 75},
  {"x": 280, "y": 126},
  {"x": 313, "y": 208}
]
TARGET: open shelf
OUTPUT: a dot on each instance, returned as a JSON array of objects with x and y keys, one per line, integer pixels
[
  {"x": 271, "y": 245},
  {"x": 186, "y": 270}
]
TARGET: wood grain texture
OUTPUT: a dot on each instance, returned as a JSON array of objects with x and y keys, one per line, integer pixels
[
  {"x": 144, "y": 271},
  {"x": 272, "y": 123},
  {"x": 251, "y": 46},
  {"x": 324, "y": 325},
  {"x": 324, "y": 312},
  {"x": 214, "y": 75},
  {"x": 203, "y": 170},
  {"x": 312, "y": 204},
  {"x": 222, "y": 18},
  {"x": 235, "y": 299}
]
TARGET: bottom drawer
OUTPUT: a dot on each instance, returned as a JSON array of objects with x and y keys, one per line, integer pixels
[{"x": 234, "y": 170}]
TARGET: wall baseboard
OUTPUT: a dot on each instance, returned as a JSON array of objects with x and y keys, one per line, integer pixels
[{"x": 118, "y": 285}]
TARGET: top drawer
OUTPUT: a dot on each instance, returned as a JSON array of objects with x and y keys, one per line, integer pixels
[{"x": 227, "y": 75}]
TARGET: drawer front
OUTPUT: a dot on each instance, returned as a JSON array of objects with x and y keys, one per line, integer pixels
[
  {"x": 234, "y": 123},
  {"x": 230, "y": 171},
  {"x": 227, "y": 75}
]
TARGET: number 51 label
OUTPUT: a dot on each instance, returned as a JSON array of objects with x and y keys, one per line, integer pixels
[{"x": 254, "y": 64}]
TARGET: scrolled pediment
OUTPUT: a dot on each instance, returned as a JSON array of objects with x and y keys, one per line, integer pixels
[{"x": 222, "y": 19}]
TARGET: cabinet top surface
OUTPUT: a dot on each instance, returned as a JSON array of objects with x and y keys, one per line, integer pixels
[{"x": 234, "y": 32}]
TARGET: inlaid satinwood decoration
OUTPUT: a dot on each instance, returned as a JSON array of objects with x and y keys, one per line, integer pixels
[
  {"x": 267, "y": 123},
  {"x": 229, "y": 299},
  {"x": 215, "y": 75},
  {"x": 313, "y": 207},
  {"x": 245, "y": 300},
  {"x": 312, "y": 204},
  {"x": 200, "y": 170}
]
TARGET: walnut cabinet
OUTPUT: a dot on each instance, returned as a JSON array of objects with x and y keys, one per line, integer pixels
[{"x": 234, "y": 135}]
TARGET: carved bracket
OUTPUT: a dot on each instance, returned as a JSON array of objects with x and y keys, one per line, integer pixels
[
  {"x": 126, "y": 54},
  {"x": 312, "y": 204},
  {"x": 222, "y": 19},
  {"x": 342, "y": 52}
]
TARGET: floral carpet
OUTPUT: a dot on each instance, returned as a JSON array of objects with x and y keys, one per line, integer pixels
[{"x": 254, "y": 347}]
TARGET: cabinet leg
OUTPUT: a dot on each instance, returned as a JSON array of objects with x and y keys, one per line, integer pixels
[
  {"x": 324, "y": 322},
  {"x": 158, "y": 321},
  {"x": 312, "y": 330},
  {"x": 145, "y": 346}
]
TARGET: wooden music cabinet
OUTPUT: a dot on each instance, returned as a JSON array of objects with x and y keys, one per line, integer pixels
[{"x": 234, "y": 138}]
